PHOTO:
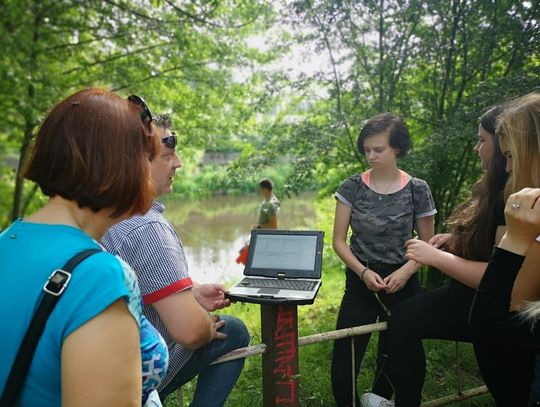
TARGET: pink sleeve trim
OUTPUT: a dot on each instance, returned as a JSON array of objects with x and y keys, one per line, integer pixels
[{"x": 174, "y": 288}]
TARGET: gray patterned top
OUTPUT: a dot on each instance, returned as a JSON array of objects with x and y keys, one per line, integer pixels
[{"x": 381, "y": 224}]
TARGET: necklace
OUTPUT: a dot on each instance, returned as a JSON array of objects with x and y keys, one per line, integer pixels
[{"x": 387, "y": 188}]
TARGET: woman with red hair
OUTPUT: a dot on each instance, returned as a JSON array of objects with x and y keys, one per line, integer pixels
[{"x": 90, "y": 158}]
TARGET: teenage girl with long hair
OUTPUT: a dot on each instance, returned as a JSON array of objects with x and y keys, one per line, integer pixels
[{"x": 512, "y": 279}]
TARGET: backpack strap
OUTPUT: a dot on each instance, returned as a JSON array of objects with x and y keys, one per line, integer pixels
[{"x": 54, "y": 287}]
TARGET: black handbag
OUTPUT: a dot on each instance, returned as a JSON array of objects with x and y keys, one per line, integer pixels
[{"x": 54, "y": 287}]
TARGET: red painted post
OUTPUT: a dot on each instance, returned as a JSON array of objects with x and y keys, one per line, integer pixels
[{"x": 279, "y": 326}]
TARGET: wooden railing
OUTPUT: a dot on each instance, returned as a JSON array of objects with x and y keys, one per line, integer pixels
[{"x": 349, "y": 333}]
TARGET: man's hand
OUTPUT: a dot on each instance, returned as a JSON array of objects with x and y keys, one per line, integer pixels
[
  {"x": 217, "y": 324},
  {"x": 210, "y": 296}
]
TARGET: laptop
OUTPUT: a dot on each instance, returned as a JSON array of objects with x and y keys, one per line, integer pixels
[{"x": 283, "y": 266}]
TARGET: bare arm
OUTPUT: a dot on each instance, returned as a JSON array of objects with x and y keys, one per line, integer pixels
[
  {"x": 467, "y": 272},
  {"x": 210, "y": 296},
  {"x": 425, "y": 227},
  {"x": 522, "y": 214},
  {"x": 101, "y": 361},
  {"x": 187, "y": 322},
  {"x": 397, "y": 280},
  {"x": 527, "y": 284},
  {"x": 339, "y": 242}
]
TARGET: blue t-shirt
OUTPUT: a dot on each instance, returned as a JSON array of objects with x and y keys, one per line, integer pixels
[{"x": 29, "y": 252}]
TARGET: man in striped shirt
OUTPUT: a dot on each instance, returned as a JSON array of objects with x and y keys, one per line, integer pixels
[{"x": 176, "y": 306}]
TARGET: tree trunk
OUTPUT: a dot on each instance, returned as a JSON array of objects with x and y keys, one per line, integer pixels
[
  {"x": 449, "y": 62},
  {"x": 381, "y": 56},
  {"x": 18, "y": 193}
]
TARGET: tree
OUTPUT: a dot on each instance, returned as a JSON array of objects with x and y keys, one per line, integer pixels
[
  {"x": 438, "y": 64},
  {"x": 179, "y": 54}
]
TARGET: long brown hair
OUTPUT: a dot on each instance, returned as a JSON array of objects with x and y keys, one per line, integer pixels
[{"x": 473, "y": 223}]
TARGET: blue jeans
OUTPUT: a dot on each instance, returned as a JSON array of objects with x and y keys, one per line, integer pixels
[{"x": 215, "y": 382}]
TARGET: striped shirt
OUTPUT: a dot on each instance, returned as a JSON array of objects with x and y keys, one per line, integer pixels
[{"x": 150, "y": 245}]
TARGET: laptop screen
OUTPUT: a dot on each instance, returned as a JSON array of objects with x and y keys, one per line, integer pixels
[
  {"x": 285, "y": 252},
  {"x": 294, "y": 253}
]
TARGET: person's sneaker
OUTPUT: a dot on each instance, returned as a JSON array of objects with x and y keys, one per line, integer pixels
[{"x": 373, "y": 400}]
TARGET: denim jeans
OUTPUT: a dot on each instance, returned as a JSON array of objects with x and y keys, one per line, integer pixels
[{"x": 214, "y": 382}]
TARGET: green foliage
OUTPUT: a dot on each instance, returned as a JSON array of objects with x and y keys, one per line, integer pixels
[
  {"x": 7, "y": 176},
  {"x": 189, "y": 58},
  {"x": 216, "y": 180},
  {"x": 436, "y": 64}
]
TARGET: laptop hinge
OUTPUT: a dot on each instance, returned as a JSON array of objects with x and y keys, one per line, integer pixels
[{"x": 280, "y": 276}]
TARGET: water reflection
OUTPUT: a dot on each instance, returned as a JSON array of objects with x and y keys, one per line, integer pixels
[{"x": 213, "y": 230}]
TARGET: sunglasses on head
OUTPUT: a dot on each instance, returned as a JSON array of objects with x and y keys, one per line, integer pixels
[
  {"x": 146, "y": 115},
  {"x": 171, "y": 141}
]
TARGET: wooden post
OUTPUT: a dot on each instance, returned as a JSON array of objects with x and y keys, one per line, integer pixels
[
  {"x": 353, "y": 373},
  {"x": 279, "y": 326}
]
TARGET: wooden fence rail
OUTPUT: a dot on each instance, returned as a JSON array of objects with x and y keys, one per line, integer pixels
[{"x": 347, "y": 333}]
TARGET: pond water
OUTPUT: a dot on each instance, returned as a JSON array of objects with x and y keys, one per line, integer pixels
[{"x": 213, "y": 230}]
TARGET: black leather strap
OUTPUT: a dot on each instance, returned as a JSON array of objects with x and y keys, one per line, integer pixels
[{"x": 24, "y": 357}]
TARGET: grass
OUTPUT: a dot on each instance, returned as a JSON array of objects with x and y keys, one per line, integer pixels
[{"x": 442, "y": 378}]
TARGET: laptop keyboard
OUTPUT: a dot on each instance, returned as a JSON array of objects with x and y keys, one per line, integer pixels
[{"x": 300, "y": 285}]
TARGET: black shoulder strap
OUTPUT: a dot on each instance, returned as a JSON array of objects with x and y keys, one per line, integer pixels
[{"x": 53, "y": 289}]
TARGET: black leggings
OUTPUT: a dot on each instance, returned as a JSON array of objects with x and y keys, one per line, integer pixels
[
  {"x": 359, "y": 306},
  {"x": 509, "y": 372},
  {"x": 433, "y": 315}
]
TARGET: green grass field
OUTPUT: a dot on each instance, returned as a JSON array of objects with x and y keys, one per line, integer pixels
[{"x": 315, "y": 390}]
